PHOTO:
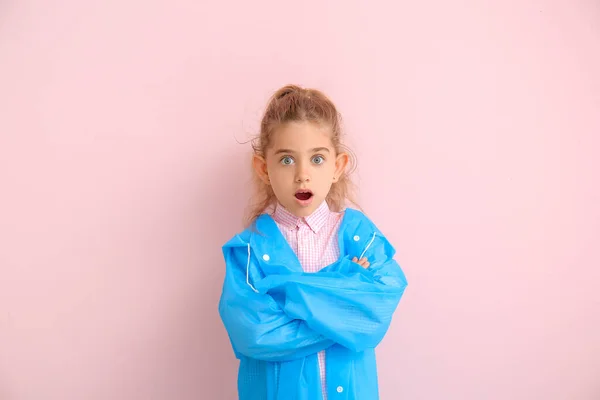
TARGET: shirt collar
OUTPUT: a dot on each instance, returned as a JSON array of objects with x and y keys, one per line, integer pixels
[{"x": 315, "y": 221}]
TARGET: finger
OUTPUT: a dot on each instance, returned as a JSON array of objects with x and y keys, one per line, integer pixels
[{"x": 355, "y": 259}]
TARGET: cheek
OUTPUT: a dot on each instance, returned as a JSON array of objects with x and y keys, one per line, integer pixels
[
  {"x": 325, "y": 177},
  {"x": 277, "y": 173},
  {"x": 273, "y": 167},
  {"x": 328, "y": 170}
]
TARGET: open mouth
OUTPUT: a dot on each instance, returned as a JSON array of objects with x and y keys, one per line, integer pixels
[{"x": 303, "y": 195}]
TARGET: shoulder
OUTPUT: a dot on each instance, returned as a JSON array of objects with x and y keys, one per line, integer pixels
[
  {"x": 263, "y": 224},
  {"x": 355, "y": 219},
  {"x": 239, "y": 239},
  {"x": 356, "y": 224},
  {"x": 362, "y": 236}
]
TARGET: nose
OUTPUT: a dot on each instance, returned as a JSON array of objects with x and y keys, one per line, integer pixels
[{"x": 302, "y": 174}]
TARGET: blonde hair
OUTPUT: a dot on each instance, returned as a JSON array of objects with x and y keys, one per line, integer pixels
[{"x": 293, "y": 103}]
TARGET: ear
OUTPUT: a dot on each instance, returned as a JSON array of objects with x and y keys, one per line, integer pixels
[
  {"x": 341, "y": 162},
  {"x": 260, "y": 166}
]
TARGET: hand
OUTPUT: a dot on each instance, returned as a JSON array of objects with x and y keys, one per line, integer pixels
[{"x": 363, "y": 262}]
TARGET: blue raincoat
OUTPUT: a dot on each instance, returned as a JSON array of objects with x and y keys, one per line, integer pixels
[{"x": 278, "y": 317}]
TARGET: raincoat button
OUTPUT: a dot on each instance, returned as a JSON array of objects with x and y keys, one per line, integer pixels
[
  {"x": 340, "y": 389},
  {"x": 356, "y": 238},
  {"x": 266, "y": 257}
]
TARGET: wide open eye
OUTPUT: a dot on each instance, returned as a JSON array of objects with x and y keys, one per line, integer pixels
[
  {"x": 318, "y": 159},
  {"x": 287, "y": 160}
]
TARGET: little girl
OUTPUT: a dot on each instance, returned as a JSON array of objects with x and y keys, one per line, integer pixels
[{"x": 310, "y": 286}]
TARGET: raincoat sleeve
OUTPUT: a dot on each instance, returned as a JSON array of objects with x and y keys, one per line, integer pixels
[
  {"x": 348, "y": 304},
  {"x": 257, "y": 327}
]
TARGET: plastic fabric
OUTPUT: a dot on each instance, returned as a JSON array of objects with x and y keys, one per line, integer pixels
[{"x": 278, "y": 317}]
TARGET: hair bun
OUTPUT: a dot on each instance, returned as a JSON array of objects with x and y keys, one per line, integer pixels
[{"x": 286, "y": 90}]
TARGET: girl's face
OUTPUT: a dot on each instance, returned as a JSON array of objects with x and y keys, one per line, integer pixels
[{"x": 301, "y": 165}]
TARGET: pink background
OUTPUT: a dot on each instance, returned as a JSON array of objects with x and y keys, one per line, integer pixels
[{"x": 477, "y": 128}]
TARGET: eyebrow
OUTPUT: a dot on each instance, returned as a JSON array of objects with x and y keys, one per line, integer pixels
[{"x": 315, "y": 150}]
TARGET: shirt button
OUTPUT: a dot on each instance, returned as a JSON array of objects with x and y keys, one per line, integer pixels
[
  {"x": 340, "y": 389},
  {"x": 356, "y": 238},
  {"x": 266, "y": 257}
]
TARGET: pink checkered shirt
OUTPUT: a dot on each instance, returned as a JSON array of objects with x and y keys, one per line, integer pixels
[{"x": 314, "y": 240}]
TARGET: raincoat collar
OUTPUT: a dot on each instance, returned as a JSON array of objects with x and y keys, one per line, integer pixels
[
  {"x": 264, "y": 236},
  {"x": 269, "y": 237}
]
